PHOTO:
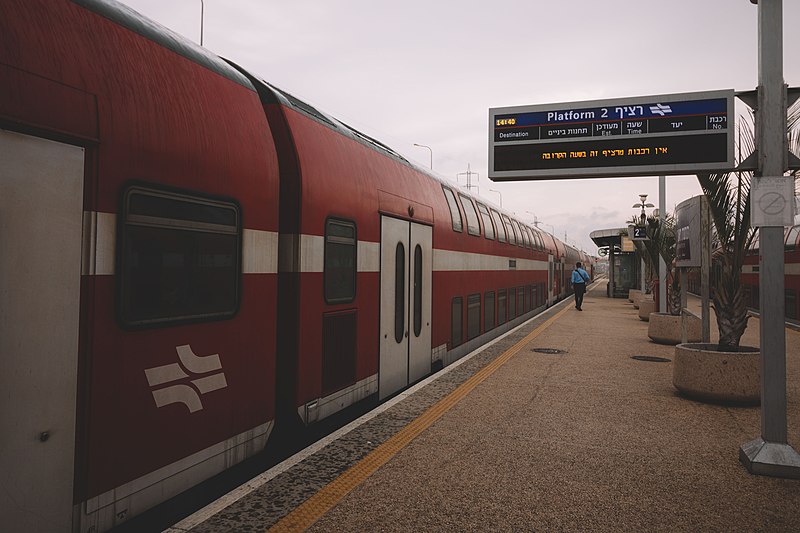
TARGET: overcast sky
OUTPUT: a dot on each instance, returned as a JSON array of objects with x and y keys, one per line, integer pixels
[{"x": 426, "y": 72}]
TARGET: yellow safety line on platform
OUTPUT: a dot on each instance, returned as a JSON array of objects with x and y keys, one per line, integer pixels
[{"x": 320, "y": 503}]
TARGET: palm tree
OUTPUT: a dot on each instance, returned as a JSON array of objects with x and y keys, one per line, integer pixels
[
  {"x": 661, "y": 244},
  {"x": 728, "y": 195}
]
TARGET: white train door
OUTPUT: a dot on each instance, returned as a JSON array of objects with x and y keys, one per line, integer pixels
[
  {"x": 405, "y": 303},
  {"x": 41, "y": 208}
]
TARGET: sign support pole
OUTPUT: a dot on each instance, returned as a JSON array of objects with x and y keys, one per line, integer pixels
[
  {"x": 770, "y": 454},
  {"x": 662, "y": 265},
  {"x": 705, "y": 269}
]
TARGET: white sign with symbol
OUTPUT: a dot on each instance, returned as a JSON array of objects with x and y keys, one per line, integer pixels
[{"x": 772, "y": 201}]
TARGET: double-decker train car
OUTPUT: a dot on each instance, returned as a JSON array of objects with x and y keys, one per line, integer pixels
[
  {"x": 190, "y": 256},
  {"x": 791, "y": 265}
]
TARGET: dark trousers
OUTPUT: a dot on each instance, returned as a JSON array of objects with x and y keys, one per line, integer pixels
[{"x": 580, "y": 289}]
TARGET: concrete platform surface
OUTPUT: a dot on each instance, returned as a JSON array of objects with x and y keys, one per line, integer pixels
[{"x": 586, "y": 440}]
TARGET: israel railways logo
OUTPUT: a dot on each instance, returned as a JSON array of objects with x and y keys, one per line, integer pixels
[
  {"x": 660, "y": 109},
  {"x": 186, "y": 393}
]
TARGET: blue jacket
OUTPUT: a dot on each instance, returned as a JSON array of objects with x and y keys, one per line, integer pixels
[{"x": 579, "y": 275}]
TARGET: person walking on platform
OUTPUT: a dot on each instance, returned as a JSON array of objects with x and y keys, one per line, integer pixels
[{"x": 579, "y": 280}]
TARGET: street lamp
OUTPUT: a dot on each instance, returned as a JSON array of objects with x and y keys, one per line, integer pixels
[
  {"x": 202, "y": 13},
  {"x": 429, "y": 149},
  {"x": 643, "y": 203}
]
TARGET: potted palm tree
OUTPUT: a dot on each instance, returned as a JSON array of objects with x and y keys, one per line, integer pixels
[
  {"x": 726, "y": 371},
  {"x": 665, "y": 328}
]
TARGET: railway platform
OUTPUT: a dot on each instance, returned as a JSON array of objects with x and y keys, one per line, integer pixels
[{"x": 553, "y": 427}]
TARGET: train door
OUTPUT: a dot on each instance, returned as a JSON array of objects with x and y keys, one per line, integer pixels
[
  {"x": 405, "y": 300},
  {"x": 550, "y": 280},
  {"x": 41, "y": 210}
]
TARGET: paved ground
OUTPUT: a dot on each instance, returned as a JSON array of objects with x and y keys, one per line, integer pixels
[{"x": 586, "y": 440}]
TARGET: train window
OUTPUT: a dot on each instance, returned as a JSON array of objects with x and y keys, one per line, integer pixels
[
  {"x": 540, "y": 240},
  {"x": 534, "y": 239},
  {"x": 501, "y": 306},
  {"x": 791, "y": 303},
  {"x": 473, "y": 226},
  {"x": 455, "y": 214},
  {"x": 340, "y": 261},
  {"x": 520, "y": 301},
  {"x": 399, "y": 292},
  {"x": 456, "y": 312},
  {"x": 528, "y": 297},
  {"x": 512, "y": 239},
  {"x": 180, "y": 258},
  {"x": 473, "y": 316},
  {"x": 791, "y": 239},
  {"x": 526, "y": 240},
  {"x": 417, "y": 290},
  {"x": 488, "y": 311},
  {"x": 512, "y": 304},
  {"x": 488, "y": 230},
  {"x": 501, "y": 231},
  {"x": 517, "y": 232}
]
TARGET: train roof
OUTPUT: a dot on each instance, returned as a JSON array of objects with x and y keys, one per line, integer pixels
[{"x": 128, "y": 18}]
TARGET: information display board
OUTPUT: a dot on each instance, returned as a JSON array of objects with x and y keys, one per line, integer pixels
[
  {"x": 649, "y": 135},
  {"x": 688, "y": 227}
]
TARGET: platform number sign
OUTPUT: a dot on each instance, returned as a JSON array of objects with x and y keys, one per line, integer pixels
[{"x": 650, "y": 135}]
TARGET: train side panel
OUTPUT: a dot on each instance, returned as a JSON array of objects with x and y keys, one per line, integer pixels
[{"x": 163, "y": 399}]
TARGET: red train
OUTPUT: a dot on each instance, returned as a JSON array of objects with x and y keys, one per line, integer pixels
[
  {"x": 190, "y": 254},
  {"x": 750, "y": 278},
  {"x": 791, "y": 265}
]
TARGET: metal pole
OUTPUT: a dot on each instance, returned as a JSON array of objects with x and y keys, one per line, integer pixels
[
  {"x": 429, "y": 149},
  {"x": 662, "y": 265},
  {"x": 684, "y": 303},
  {"x": 202, "y": 16},
  {"x": 770, "y": 454},
  {"x": 705, "y": 269}
]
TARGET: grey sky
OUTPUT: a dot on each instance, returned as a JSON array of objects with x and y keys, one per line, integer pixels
[{"x": 427, "y": 72}]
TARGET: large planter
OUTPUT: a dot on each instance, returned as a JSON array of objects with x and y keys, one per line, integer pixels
[
  {"x": 638, "y": 297},
  {"x": 646, "y": 306},
  {"x": 701, "y": 372},
  {"x": 665, "y": 328},
  {"x": 634, "y": 294}
]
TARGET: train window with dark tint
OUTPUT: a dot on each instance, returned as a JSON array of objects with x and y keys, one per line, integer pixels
[
  {"x": 180, "y": 258},
  {"x": 417, "y": 290},
  {"x": 473, "y": 226},
  {"x": 455, "y": 214},
  {"x": 399, "y": 292},
  {"x": 791, "y": 303},
  {"x": 488, "y": 230},
  {"x": 501, "y": 306},
  {"x": 512, "y": 304},
  {"x": 520, "y": 301},
  {"x": 340, "y": 261},
  {"x": 488, "y": 311},
  {"x": 456, "y": 313},
  {"x": 528, "y": 297},
  {"x": 501, "y": 230},
  {"x": 473, "y": 316}
]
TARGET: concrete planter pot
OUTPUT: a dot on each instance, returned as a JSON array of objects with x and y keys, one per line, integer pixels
[
  {"x": 634, "y": 294},
  {"x": 701, "y": 372},
  {"x": 638, "y": 297},
  {"x": 665, "y": 328},
  {"x": 646, "y": 306}
]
